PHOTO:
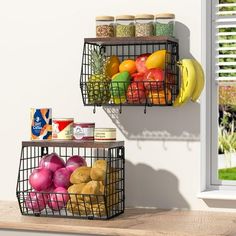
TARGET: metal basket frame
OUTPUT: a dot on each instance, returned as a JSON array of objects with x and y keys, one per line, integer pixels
[
  {"x": 130, "y": 49},
  {"x": 88, "y": 206}
]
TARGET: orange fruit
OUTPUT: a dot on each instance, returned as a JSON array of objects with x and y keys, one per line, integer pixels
[
  {"x": 158, "y": 98},
  {"x": 128, "y": 65}
]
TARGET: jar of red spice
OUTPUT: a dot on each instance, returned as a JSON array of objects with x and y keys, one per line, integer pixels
[{"x": 105, "y": 26}]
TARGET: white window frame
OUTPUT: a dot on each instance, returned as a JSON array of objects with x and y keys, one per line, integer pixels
[{"x": 211, "y": 187}]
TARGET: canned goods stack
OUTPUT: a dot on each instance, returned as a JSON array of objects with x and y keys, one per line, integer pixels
[
  {"x": 62, "y": 128},
  {"x": 43, "y": 126},
  {"x": 83, "y": 131},
  {"x": 105, "y": 134}
]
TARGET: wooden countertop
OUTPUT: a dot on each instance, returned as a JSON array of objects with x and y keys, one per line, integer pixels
[{"x": 140, "y": 222}]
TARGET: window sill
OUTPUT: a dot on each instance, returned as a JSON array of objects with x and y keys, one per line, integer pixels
[{"x": 218, "y": 194}]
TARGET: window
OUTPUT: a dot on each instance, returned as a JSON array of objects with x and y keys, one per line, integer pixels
[
  {"x": 224, "y": 92},
  {"x": 220, "y": 110}
]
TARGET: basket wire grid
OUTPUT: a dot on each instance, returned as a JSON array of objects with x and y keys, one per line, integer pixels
[
  {"x": 160, "y": 93},
  {"x": 89, "y": 206}
]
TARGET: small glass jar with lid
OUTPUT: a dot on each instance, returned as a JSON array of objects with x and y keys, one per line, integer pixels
[
  {"x": 144, "y": 25},
  {"x": 125, "y": 26},
  {"x": 164, "y": 24},
  {"x": 105, "y": 26}
]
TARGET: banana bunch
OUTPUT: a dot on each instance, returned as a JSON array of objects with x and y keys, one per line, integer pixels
[{"x": 192, "y": 81}]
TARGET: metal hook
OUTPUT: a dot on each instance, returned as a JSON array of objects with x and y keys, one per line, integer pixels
[
  {"x": 44, "y": 150},
  {"x": 120, "y": 110},
  {"x": 145, "y": 109},
  {"x": 102, "y": 49},
  {"x": 94, "y": 109}
]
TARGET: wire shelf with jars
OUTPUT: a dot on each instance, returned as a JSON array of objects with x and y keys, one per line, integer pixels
[{"x": 130, "y": 71}]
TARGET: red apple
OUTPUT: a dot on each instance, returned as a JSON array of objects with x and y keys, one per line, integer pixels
[
  {"x": 136, "y": 93},
  {"x": 153, "y": 79},
  {"x": 140, "y": 62},
  {"x": 137, "y": 76}
]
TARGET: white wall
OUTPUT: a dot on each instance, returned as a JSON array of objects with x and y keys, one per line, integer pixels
[{"x": 40, "y": 55}]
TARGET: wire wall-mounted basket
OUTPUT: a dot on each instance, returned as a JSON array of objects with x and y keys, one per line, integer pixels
[
  {"x": 107, "y": 198},
  {"x": 155, "y": 87}
]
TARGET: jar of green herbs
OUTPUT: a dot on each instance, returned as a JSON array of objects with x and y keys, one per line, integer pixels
[
  {"x": 144, "y": 25},
  {"x": 125, "y": 26},
  {"x": 164, "y": 24}
]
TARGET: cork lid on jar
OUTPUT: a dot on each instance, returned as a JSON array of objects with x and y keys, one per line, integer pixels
[
  {"x": 165, "y": 16},
  {"x": 125, "y": 17},
  {"x": 105, "y": 18},
  {"x": 144, "y": 16}
]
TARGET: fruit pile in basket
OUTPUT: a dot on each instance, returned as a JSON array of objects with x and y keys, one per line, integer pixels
[
  {"x": 136, "y": 81},
  {"x": 70, "y": 185},
  {"x": 145, "y": 80}
]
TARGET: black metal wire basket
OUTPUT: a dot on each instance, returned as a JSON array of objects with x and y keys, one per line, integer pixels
[
  {"x": 140, "y": 93},
  {"x": 106, "y": 204}
]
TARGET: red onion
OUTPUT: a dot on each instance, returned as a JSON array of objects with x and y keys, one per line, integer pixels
[
  {"x": 61, "y": 178},
  {"x": 74, "y": 162},
  {"x": 58, "y": 199},
  {"x": 36, "y": 201},
  {"x": 49, "y": 190},
  {"x": 40, "y": 179},
  {"x": 52, "y": 162}
]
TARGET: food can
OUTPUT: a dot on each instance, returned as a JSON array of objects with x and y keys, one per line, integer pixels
[
  {"x": 62, "y": 128},
  {"x": 41, "y": 123},
  {"x": 105, "y": 134},
  {"x": 83, "y": 131}
]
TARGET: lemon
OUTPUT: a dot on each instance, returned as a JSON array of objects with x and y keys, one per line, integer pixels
[{"x": 156, "y": 60}]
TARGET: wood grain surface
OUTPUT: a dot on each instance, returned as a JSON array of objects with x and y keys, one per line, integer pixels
[
  {"x": 140, "y": 222},
  {"x": 130, "y": 40},
  {"x": 73, "y": 143}
]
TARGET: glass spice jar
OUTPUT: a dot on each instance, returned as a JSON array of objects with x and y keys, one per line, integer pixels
[
  {"x": 105, "y": 26},
  {"x": 164, "y": 24},
  {"x": 125, "y": 26},
  {"x": 144, "y": 25}
]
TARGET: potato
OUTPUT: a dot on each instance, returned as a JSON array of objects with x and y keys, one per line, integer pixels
[
  {"x": 92, "y": 188},
  {"x": 75, "y": 189},
  {"x": 97, "y": 174},
  {"x": 80, "y": 175},
  {"x": 81, "y": 209}
]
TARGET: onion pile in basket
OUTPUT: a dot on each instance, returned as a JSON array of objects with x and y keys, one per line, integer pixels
[{"x": 50, "y": 182}]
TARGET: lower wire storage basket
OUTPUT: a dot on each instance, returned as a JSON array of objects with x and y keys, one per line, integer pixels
[{"x": 96, "y": 191}]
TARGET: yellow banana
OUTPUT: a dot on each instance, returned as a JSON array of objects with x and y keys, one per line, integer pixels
[
  {"x": 200, "y": 80},
  {"x": 188, "y": 82}
]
